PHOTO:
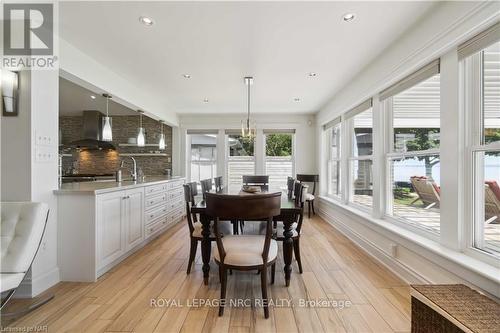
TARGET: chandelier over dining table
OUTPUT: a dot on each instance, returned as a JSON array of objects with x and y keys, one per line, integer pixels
[{"x": 248, "y": 128}]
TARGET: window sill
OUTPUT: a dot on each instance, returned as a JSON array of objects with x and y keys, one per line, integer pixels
[{"x": 475, "y": 265}]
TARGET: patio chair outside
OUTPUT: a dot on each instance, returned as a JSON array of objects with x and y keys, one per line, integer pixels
[
  {"x": 428, "y": 191},
  {"x": 491, "y": 202}
]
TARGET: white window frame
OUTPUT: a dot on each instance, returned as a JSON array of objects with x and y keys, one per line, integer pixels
[
  {"x": 351, "y": 159},
  {"x": 188, "y": 150},
  {"x": 471, "y": 83},
  {"x": 331, "y": 160},
  {"x": 390, "y": 155}
]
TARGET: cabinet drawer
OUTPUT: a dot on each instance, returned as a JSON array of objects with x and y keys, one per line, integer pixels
[
  {"x": 156, "y": 213},
  {"x": 173, "y": 205},
  {"x": 175, "y": 215},
  {"x": 175, "y": 194},
  {"x": 156, "y": 189},
  {"x": 152, "y": 201},
  {"x": 155, "y": 227},
  {"x": 175, "y": 184}
]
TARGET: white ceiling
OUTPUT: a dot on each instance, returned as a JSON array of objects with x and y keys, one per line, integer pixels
[
  {"x": 74, "y": 99},
  {"x": 218, "y": 43}
]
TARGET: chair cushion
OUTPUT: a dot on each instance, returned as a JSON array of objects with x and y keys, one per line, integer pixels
[
  {"x": 22, "y": 227},
  {"x": 309, "y": 197},
  {"x": 494, "y": 187},
  {"x": 11, "y": 281},
  {"x": 246, "y": 250},
  {"x": 225, "y": 228}
]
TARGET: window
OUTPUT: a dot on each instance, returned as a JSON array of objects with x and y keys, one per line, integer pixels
[
  {"x": 202, "y": 156},
  {"x": 360, "y": 124},
  {"x": 482, "y": 74},
  {"x": 413, "y": 108},
  {"x": 279, "y": 156},
  {"x": 333, "y": 138},
  {"x": 240, "y": 158}
]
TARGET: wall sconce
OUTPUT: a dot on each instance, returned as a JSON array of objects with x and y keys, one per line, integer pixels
[{"x": 10, "y": 87}]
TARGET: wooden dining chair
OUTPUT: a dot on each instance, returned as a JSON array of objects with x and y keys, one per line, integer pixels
[
  {"x": 290, "y": 182},
  {"x": 218, "y": 183},
  {"x": 190, "y": 191},
  {"x": 309, "y": 196},
  {"x": 245, "y": 252},
  {"x": 262, "y": 181},
  {"x": 299, "y": 191},
  {"x": 206, "y": 186}
]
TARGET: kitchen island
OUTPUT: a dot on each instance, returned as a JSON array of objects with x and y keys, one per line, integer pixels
[{"x": 103, "y": 222}]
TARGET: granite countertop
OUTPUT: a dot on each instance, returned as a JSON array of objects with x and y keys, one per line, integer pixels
[{"x": 99, "y": 187}]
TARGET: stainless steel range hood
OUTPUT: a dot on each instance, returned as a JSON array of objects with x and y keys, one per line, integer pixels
[{"x": 92, "y": 133}]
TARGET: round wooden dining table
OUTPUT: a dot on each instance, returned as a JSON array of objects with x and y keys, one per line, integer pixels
[{"x": 289, "y": 213}]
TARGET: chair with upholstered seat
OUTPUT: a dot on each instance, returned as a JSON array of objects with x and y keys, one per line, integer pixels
[
  {"x": 206, "y": 186},
  {"x": 22, "y": 228},
  {"x": 218, "y": 183},
  {"x": 309, "y": 196},
  {"x": 252, "y": 180},
  {"x": 245, "y": 252},
  {"x": 195, "y": 229}
]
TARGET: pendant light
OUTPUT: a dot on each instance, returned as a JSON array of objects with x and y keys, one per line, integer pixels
[
  {"x": 107, "y": 133},
  {"x": 246, "y": 129},
  {"x": 161, "y": 143},
  {"x": 141, "y": 138}
]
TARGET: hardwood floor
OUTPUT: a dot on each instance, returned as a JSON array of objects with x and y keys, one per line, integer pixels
[{"x": 334, "y": 269}]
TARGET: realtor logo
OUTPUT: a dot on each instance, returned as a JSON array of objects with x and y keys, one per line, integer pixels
[{"x": 28, "y": 29}]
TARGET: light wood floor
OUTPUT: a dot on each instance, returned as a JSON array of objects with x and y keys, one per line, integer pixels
[{"x": 334, "y": 269}]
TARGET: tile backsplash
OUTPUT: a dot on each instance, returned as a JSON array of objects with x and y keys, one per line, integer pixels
[{"x": 124, "y": 127}]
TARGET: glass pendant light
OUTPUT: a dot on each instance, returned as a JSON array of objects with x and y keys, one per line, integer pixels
[
  {"x": 246, "y": 129},
  {"x": 107, "y": 133},
  {"x": 141, "y": 138},
  {"x": 161, "y": 143}
]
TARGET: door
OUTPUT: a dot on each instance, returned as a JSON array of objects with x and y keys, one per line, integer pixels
[
  {"x": 134, "y": 217},
  {"x": 110, "y": 226}
]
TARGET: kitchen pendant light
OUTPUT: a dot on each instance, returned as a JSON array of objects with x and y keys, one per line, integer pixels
[
  {"x": 247, "y": 130},
  {"x": 107, "y": 133},
  {"x": 161, "y": 143},
  {"x": 141, "y": 138}
]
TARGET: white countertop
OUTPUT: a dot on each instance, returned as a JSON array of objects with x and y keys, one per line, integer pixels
[{"x": 99, "y": 187}]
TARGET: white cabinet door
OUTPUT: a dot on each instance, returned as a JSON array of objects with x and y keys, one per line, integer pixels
[
  {"x": 134, "y": 217},
  {"x": 110, "y": 227}
]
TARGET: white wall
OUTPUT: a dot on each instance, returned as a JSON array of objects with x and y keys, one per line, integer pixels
[
  {"x": 27, "y": 177},
  {"x": 304, "y": 125},
  {"x": 440, "y": 259}
]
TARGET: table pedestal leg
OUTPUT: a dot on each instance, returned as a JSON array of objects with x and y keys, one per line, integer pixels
[
  {"x": 206, "y": 246},
  {"x": 287, "y": 248}
]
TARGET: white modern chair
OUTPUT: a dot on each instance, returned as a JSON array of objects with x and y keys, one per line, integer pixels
[{"x": 22, "y": 228}]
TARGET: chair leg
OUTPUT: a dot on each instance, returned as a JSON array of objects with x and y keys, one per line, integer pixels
[
  {"x": 296, "y": 250},
  {"x": 192, "y": 254},
  {"x": 223, "y": 291},
  {"x": 242, "y": 224},
  {"x": 273, "y": 272},
  {"x": 309, "y": 209},
  {"x": 263, "y": 282},
  {"x": 312, "y": 205},
  {"x": 220, "y": 274},
  {"x": 235, "y": 227}
]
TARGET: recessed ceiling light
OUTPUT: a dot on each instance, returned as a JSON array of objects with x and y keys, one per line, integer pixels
[
  {"x": 187, "y": 76},
  {"x": 146, "y": 21},
  {"x": 205, "y": 100},
  {"x": 92, "y": 96},
  {"x": 296, "y": 99},
  {"x": 348, "y": 17},
  {"x": 312, "y": 74}
]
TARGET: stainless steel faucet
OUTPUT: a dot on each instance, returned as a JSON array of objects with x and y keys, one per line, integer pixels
[{"x": 133, "y": 172}]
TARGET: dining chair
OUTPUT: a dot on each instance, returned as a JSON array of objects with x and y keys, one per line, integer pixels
[
  {"x": 245, "y": 252},
  {"x": 309, "y": 196},
  {"x": 206, "y": 186},
  {"x": 262, "y": 181},
  {"x": 195, "y": 229},
  {"x": 218, "y": 183}
]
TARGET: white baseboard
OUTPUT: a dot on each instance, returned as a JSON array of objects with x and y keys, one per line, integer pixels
[{"x": 30, "y": 287}]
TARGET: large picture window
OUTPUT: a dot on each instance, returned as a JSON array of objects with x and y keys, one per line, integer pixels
[
  {"x": 279, "y": 156},
  {"x": 240, "y": 158},
  {"x": 413, "y": 109},
  {"x": 333, "y": 138},
  {"x": 483, "y": 104},
  {"x": 360, "y": 124}
]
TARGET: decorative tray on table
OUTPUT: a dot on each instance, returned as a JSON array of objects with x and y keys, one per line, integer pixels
[{"x": 251, "y": 189}]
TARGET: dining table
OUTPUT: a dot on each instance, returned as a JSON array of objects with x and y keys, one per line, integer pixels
[{"x": 290, "y": 212}]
